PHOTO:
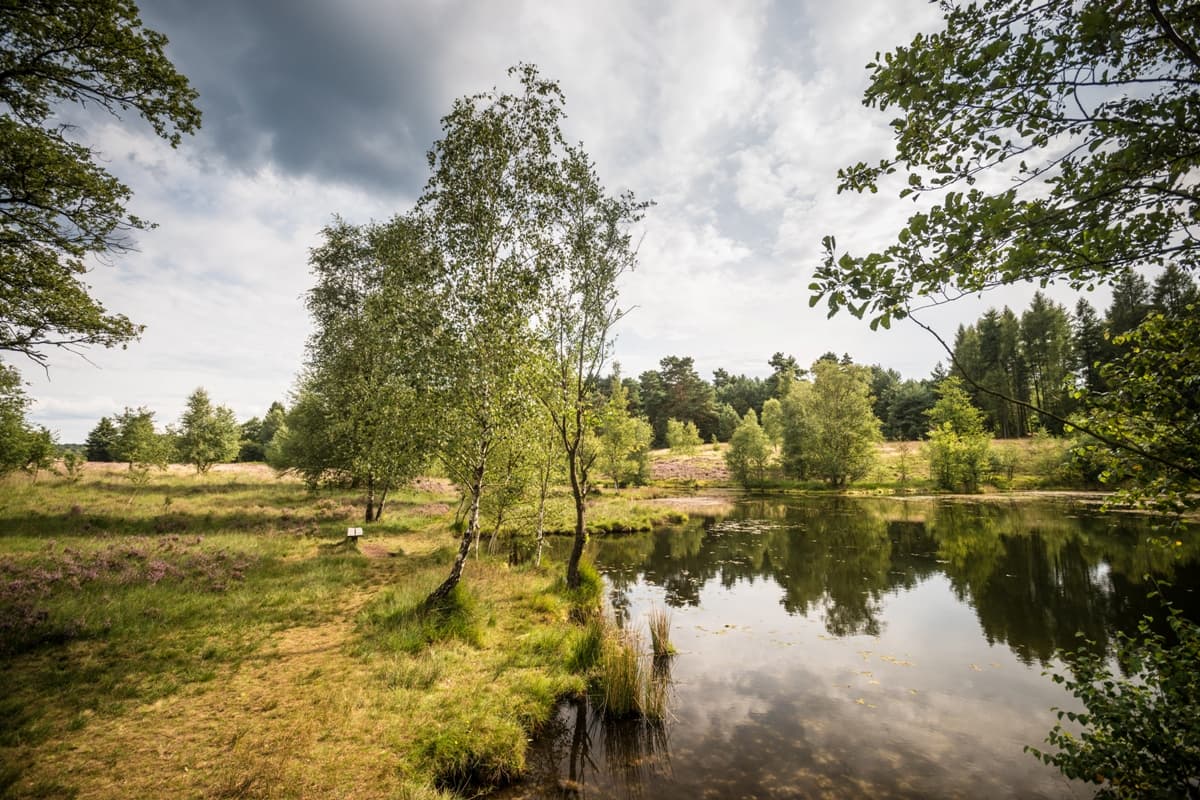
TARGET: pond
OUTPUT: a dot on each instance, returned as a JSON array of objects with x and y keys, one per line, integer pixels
[{"x": 841, "y": 647}]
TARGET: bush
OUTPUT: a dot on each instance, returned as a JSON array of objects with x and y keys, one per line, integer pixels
[
  {"x": 958, "y": 446},
  {"x": 1141, "y": 733},
  {"x": 749, "y": 453},
  {"x": 957, "y": 463}
]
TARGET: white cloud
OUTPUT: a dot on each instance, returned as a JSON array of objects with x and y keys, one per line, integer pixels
[
  {"x": 218, "y": 285},
  {"x": 734, "y": 117}
]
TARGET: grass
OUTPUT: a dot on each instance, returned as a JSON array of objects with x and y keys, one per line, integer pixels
[
  {"x": 210, "y": 636},
  {"x": 399, "y": 621},
  {"x": 204, "y": 637},
  {"x": 622, "y": 677},
  {"x": 609, "y": 511},
  {"x": 660, "y": 633},
  {"x": 631, "y": 686}
]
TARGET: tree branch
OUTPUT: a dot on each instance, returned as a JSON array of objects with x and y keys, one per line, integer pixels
[{"x": 1172, "y": 35}]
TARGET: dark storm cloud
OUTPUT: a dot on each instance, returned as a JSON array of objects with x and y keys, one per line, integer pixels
[{"x": 337, "y": 91}]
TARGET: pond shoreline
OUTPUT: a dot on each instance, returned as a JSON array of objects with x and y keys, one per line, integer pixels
[
  {"x": 713, "y": 499},
  {"x": 798, "y": 616}
]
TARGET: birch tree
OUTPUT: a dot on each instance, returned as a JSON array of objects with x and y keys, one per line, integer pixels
[
  {"x": 579, "y": 309},
  {"x": 487, "y": 207},
  {"x": 363, "y": 410}
]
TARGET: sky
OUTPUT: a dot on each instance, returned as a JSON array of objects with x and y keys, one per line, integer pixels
[{"x": 732, "y": 117}]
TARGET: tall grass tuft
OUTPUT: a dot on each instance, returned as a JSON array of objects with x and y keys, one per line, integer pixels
[
  {"x": 622, "y": 677},
  {"x": 585, "y": 597},
  {"x": 633, "y": 684},
  {"x": 660, "y": 634},
  {"x": 587, "y": 648},
  {"x": 584, "y": 600},
  {"x": 656, "y": 691}
]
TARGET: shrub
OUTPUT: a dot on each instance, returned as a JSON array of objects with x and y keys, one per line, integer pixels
[
  {"x": 72, "y": 465},
  {"x": 749, "y": 453},
  {"x": 1141, "y": 733},
  {"x": 957, "y": 463},
  {"x": 958, "y": 445}
]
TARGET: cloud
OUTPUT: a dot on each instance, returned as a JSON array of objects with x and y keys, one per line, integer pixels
[
  {"x": 733, "y": 117},
  {"x": 336, "y": 92}
]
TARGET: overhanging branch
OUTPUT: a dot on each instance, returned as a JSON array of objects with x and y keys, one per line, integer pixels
[{"x": 1172, "y": 35}]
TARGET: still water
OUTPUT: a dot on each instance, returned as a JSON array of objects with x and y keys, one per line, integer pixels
[{"x": 837, "y": 647}]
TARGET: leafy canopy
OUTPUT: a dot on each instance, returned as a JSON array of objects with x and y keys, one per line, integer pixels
[
  {"x": 14, "y": 430},
  {"x": 1154, "y": 404},
  {"x": 1063, "y": 136},
  {"x": 1062, "y": 139},
  {"x": 1141, "y": 735},
  {"x": 58, "y": 204},
  {"x": 829, "y": 428},
  {"x": 363, "y": 413}
]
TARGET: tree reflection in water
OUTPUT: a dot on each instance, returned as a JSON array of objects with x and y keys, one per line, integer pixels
[
  {"x": 1035, "y": 573},
  {"x": 845, "y": 646},
  {"x": 567, "y": 757}
]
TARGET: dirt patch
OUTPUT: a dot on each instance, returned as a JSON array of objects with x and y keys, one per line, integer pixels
[
  {"x": 440, "y": 486},
  {"x": 375, "y": 550},
  {"x": 709, "y": 503}
]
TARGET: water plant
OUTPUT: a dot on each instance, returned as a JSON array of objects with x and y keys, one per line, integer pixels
[
  {"x": 622, "y": 677},
  {"x": 660, "y": 634},
  {"x": 632, "y": 685}
]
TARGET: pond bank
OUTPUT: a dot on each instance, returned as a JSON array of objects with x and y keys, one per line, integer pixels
[{"x": 202, "y": 636}]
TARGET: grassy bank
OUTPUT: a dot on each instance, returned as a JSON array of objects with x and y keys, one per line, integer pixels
[{"x": 213, "y": 636}]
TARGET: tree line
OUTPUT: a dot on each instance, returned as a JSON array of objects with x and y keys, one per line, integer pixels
[
  {"x": 205, "y": 435},
  {"x": 1024, "y": 372},
  {"x": 815, "y": 423}
]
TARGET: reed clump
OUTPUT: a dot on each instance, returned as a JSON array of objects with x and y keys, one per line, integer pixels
[
  {"x": 660, "y": 634},
  {"x": 622, "y": 676},
  {"x": 630, "y": 686}
]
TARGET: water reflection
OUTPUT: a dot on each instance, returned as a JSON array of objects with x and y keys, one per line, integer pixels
[
  {"x": 582, "y": 748},
  {"x": 1035, "y": 573},
  {"x": 841, "y": 647}
]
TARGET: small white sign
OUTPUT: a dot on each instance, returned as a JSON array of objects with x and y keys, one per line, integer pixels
[{"x": 353, "y": 533}]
